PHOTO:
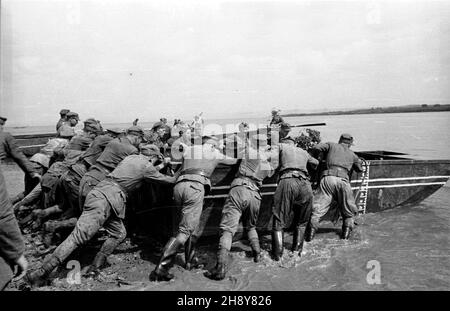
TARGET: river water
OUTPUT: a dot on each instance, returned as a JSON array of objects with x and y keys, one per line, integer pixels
[{"x": 401, "y": 249}]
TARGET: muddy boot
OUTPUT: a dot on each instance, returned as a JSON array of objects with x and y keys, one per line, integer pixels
[
  {"x": 161, "y": 272},
  {"x": 219, "y": 271},
  {"x": 39, "y": 276},
  {"x": 310, "y": 232},
  {"x": 97, "y": 264},
  {"x": 297, "y": 240},
  {"x": 256, "y": 250},
  {"x": 190, "y": 254},
  {"x": 277, "y": 244},
  {"x": 345, "y": 234}
]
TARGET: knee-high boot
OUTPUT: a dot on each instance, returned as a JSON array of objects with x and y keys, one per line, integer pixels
[
  {"x": 297, "y": 240},
  {"x": 256, "y": 249},
  {"x": 107, "y": 248},
  {"x": 161, "y": 272},
  {"x": 310, "y": 232},
  {"x": 347, "y": 228},
  {"x": 219, "y": 272},
  {"x": 190, "y": 257},
  {"x": 277, "y": 244}
]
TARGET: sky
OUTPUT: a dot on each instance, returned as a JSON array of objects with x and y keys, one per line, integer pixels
[{"x": 117, "y": 60}]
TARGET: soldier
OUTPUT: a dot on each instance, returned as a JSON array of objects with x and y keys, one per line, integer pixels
[
  {"x": 335, "y": 186},
  {"x": 105, "y": 207},
  {"x": 114, "y": 152},
  {"x": 45, "y": 157},
  {"x": 70, "y": 180},
  {"x": 244, "y": 199},
  {"x": 199, "y": 162},
  {"x": 40, "y": 163},
  {"x": 63, "y": 113},
  {"x": 55, "y": 200},
  {"x": 12, "y": 246},
  {"x": 276, "y": 118},
  {"x": 293, "y": 197},
  {"x": 72, "y": 121}
]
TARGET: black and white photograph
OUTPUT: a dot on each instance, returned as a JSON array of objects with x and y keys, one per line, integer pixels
[{"x": 224, "y": 150}]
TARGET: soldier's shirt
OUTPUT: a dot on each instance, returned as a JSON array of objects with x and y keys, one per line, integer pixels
[
  {"x": 60, "y": 123},
  {"x": 293, "y": 157},
  {"x": 258, "y": 163},
  {"x": 136, "y": 169},
  {"x": 205, "y": 158},
  {"x": 340, "y": 155},
  {"x": 276, "y": 120},
  {"x": 95, "y": 150}
]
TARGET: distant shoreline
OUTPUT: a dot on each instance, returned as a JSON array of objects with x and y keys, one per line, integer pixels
[{"x": 373, "y": 110}]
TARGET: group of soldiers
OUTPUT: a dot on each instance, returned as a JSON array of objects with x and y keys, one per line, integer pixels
[{"x": 86, "y": 177}]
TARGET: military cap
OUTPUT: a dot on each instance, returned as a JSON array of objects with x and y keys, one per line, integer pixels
[
  {"x": 92, "y": 125},
  {"x": 275, "y": 109},
  {"x": 64, "y": 111},
  {"x": 115, "y": 130},
  {"x": 135, "y": 130},
  {"x": 2, "y": 120},
  {"x": 150, "y": 150},
  {"x": 346, "y": 138},
  {"x": 157, "y": 125},
  {"x": 72, "y": 114},
  {"x": 41, "y": 159}
]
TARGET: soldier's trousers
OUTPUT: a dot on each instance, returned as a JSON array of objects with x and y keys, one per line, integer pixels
[
  {"x": 241, "y": 201},
  {"x": 70, "y": 183},
  {"x": 97, "y": 213},
  {"x": 334, "y": 189},
  {"x": 189, "y": 196},
  {"x": 88, "y": 182},
  {"x": 12, "y": 244},
  {"x": 292, "y": 203}
]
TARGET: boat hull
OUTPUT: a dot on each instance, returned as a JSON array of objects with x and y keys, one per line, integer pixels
[
  {"x": 30, "y": 144},
  {"x": 385, "y": 184}
]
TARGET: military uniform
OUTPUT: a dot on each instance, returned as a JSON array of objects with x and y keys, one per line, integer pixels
[
  {"x": 199, "y": 162},
  {"x": 105, "y": 207},
  {"x": 244, "y": 199},
  {"x": 293, "y": 197},
  {"x": 277, "y": 119},
  {"x": 71, "y": 179},
  {"x": 63, "y": 118},
  {"x": 335, "y": 185},
  {"x": 11, "y": 241},
  {"x": 51, "y": 182},
  {"x": 115, "y": 151}
]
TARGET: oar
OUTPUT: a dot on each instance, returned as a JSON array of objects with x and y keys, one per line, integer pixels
[
  {"x": 269, "y": 128},
  {"x": 309, "y": 124}
]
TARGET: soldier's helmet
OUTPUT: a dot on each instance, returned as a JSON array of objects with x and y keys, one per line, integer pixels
[
  {"x": 346, "y": 138},
  {"x": 135, "y": 130}
]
